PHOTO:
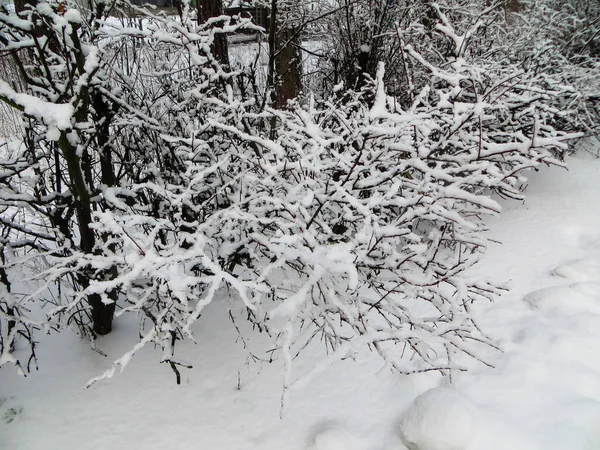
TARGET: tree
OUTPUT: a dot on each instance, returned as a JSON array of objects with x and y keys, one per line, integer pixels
[
  {"x": 67, "y": 126},
  {"x": 284, "y": 79},
  {"x": 212, "y": 9}
]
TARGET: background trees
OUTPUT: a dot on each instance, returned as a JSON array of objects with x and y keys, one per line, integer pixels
[{"x": 147, "y": 180}]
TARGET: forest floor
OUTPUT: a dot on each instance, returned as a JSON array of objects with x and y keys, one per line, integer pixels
[{"x": 542, "y": 394}]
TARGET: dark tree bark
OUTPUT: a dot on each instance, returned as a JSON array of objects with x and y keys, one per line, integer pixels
[
  {"x": 285, "y": 59},
  {"x": 208, "y": 9},
  {"x": 511, "y": 8},
  {"x": 288, "y": 66},
  {"x": 102, "y": 313},
  {"x": 9, "y": 311},
  {"x": 20, "y": 4}
]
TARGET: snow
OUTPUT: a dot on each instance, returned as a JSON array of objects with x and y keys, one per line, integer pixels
[
  {"x": 451, "y": 417},
  {"x": 583, "y": 269},
  {"x": 542, "y": 394},
  {"x": 53, "y": 134},
  {"x": 51, "y": 114},
  {"x": 73, "y": 16},
  {"x": 338, "y": 439}
]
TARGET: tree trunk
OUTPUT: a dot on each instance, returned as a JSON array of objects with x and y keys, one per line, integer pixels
[
  {"x": 102, "y": 313},
  {"x": 284, "y": 79},
  {"x": 9, "y": 310},
  {"x": 288, "y": 66},
  {"x": 20, "y": 4},
  {"x": 511, "y": 9},
  {"x": 208, "y": 9}
]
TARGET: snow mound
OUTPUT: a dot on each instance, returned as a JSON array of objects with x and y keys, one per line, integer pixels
[
  {"x": 586, "y": 269},
  {"x": 439, "y": 419}
]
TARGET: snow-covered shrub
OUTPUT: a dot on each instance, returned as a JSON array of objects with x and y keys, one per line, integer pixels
[
  {"x": 559, "y": 42},
  {"x": 554, "y": 41},
  {"x": 351, "y": 220},
  {"x": 352, "y": 225}
]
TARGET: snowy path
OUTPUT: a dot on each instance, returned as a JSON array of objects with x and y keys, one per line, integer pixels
[{"x": 543, "y": 395}]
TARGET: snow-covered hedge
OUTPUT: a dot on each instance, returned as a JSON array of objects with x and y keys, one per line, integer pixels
[{"x": 154, "y": 185}]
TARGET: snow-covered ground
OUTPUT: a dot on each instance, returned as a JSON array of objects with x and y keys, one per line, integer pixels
[{"x": 544, "y": 393}]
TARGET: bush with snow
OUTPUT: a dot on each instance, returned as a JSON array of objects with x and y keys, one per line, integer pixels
[{"x": 156, "y": 186}]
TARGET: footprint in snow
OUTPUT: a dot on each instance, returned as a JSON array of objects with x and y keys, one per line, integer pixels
[
  {"x": 580, "y": 270},
  {"x": 579, "y": 297},
  {"x": 337, "y": 438}
]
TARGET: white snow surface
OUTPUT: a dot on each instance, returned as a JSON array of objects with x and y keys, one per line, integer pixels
[{"x": 542, "y": 394}]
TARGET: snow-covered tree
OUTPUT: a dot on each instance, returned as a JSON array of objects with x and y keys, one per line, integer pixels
[{"x": 80, "y": 112}]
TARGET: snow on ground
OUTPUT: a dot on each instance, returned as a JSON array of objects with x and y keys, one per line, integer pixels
[
  {"x": 545, "y": 390},
  {"x": 544, "y": 393}
]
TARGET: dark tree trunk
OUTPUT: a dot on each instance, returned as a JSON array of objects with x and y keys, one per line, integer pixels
[
  {"x": 9, "y": 311},
  {"x": 364, "y": 68},
  {"x": 206, "y": 10},
  {"x": 20, "y": 4},
  {"x": 288, "y": 66},
  {"x": 285, "y": 59},
  {"x": 512, "y": 8},
  {"x": 102, "y": 314},
  {"x": 78, "y": 176}
]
